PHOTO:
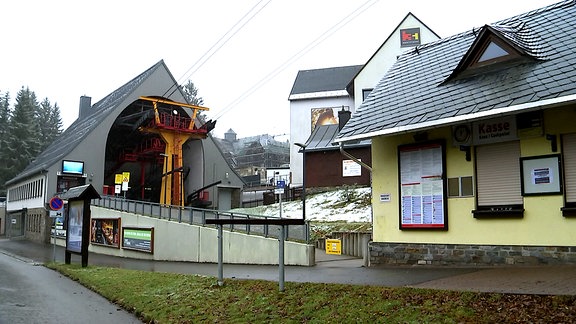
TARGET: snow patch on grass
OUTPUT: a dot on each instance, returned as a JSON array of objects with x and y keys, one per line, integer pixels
[{"x": 345, "y": 204}]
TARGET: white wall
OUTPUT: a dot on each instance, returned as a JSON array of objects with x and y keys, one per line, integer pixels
[
  {"x": 386, "y": 55},
  {"x": 301, "y": 128},
  {"x": 182, "y": 242}
]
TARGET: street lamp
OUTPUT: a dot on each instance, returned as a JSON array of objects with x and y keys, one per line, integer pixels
[{"x": 303, "y": 150}]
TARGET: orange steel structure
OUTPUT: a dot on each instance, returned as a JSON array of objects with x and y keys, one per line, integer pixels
[{"x": 174, "y": 130}]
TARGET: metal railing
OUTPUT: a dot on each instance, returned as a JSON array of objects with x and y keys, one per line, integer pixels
[{"x": 198, "y": 216}]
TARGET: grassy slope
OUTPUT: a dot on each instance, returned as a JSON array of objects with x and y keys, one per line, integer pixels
[{"x": 176, "y": 298}]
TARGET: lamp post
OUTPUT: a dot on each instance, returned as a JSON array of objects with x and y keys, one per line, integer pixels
[{"x": 303, "y": 150}]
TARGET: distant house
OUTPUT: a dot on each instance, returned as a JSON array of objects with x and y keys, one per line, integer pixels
[
  {"x": 252, "y": 156},
  {"x": 318, "y": 97},
  {"x": 477, "y": 165},
  {"x": 122, "y": 135}
]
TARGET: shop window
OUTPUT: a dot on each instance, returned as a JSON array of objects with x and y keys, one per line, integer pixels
[{"x": 498, "y": 180}]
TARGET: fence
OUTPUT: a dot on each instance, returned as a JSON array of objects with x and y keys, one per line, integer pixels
[
  {"x": 198, "y": 216},
  {"x": 352, "y": 243}
]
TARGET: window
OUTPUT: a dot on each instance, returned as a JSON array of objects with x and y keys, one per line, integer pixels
[
  {"x": 460, "y": 187},
  {"x": 492, "y": 51},
  {"x": 498, "y": 180},
  {"x": 569, "y": 163},
  {"x": 365, "y": 93}
]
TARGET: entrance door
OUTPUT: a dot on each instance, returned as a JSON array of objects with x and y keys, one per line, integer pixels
[
  {"x": 16, "y": 224},
  {"x": 224, "y": 198}
]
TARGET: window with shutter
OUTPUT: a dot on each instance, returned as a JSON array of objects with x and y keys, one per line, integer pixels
[
  {"x": 498, "y": 180},
  {"x": 569, "y": 163}
]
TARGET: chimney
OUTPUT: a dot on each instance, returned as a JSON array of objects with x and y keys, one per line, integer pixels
[
  {"x": 343, "y": 117},
  {"x": 85, "y": 105}
]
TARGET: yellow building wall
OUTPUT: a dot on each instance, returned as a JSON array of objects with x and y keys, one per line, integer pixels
[{"x": 542, "y": 224}]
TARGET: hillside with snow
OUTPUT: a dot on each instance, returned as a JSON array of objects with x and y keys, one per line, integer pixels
[{"x": 345, "y": 204}]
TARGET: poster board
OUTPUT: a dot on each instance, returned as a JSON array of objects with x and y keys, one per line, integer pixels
[
  {"x": 422, "y": 186},
  {"x": 105, "y": 232},
  {"x": 138, "y": 239},
  {"x": 75, "y": 224},
  {"x": 541, "y": 175}
]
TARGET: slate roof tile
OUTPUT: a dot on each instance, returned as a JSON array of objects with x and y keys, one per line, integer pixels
[
  {"x": 416, "y": 88},
  {"x": 80, "y": 128}
]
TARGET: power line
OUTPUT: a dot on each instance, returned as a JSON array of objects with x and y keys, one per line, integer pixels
[
  {"x": 339, "y": 25},
  {"x": 219, "y": 44}
]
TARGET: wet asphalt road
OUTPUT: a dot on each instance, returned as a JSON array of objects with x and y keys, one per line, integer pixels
[{"x": 31, "y": 293}]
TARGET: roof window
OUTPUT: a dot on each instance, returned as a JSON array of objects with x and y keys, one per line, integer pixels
[{"x": 490, "y": 48}]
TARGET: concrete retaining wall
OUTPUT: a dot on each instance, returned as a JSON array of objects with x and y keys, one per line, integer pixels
[{"x": 182, "y": 242}]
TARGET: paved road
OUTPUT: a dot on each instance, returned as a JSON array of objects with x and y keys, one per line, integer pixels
[{"x": 31, "y": 293}]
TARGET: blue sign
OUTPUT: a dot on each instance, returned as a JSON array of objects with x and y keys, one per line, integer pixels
[
  {"x": 280, "y": 184},
  {"x": 56, "y": 203}
]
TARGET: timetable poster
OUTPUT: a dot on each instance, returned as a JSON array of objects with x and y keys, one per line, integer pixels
[{"x": 422, "y": 187}]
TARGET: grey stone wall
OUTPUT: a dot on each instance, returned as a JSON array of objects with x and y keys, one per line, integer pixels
[{"x": 462, "y": 254}]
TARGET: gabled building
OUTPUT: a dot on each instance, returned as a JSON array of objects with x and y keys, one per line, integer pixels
[
  {"x": 318, "y": 99},
  {"x": 409, "y": 33},
  {"x": 143, "y": 131},
  {"x": 477, "y": 165},
  {"x": 315, "y": 99}
]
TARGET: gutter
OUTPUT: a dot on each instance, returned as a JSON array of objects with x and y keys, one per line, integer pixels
[
  {"x": 530, "y": 106},
  {"x": 353, "y": 158}
]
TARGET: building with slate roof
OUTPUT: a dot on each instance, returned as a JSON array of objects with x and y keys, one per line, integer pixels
[
  {"x": 324, "y": 94},
  {"x": 315, "y": 99},
  {"x": 108, "y": 139},
  {"x": 476, "y": 164}
]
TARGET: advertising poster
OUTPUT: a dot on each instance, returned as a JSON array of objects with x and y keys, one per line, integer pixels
[
  {"x": 324, "y": 116},
  {"x": 75, "y": 221},
  {"x": 140, "y": 239},
  {"x": 105, "y": 232},
  {"x": 422, "y": 187}
]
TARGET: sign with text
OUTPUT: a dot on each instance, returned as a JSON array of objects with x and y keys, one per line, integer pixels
[
  {"x": 494, "y": 130},
  {"x": 351, "y": 169},
  {"x": 137, "y": 238},
  {"x": 422, "y": 194}
]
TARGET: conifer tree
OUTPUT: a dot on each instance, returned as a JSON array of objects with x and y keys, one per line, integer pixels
[
  {"x": 191, "y": 94},
  {"x": 49, "y": 123},
  {"x": 23, "y": 140},
  {"x": 4, "y": 123}
]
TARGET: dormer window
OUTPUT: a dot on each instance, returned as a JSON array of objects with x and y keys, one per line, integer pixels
[
  {"x": 493, "y": 51},
  {"x": 494, "y": 48}
]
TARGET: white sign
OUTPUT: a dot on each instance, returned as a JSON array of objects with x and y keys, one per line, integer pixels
[
  {"x": 117, "y": 189},
  {"x": 351, "y": 169},
  {"x": 385, "y": 197},
  {"x": 279, "y": 191},
  {"x": 57, "y": 213}
]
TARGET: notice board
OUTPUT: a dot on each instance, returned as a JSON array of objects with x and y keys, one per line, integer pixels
[{"x": 422, "y": 186}]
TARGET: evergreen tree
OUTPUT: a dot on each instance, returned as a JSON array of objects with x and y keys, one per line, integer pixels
[
  {"x": 191, "y": 94},
  {"x": 23, "y": 140},
  {"x": 4, "y": 123},
  {"x": 49, "y": 123}
]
